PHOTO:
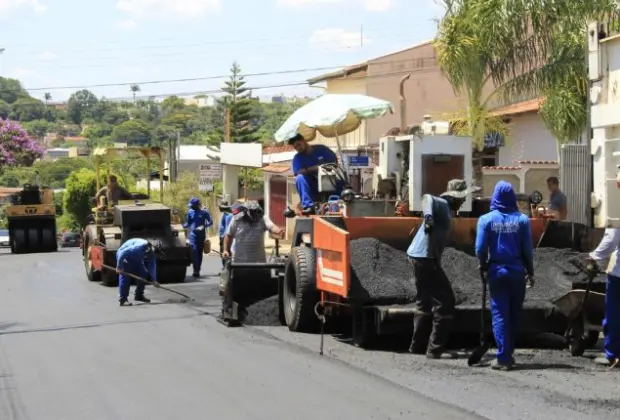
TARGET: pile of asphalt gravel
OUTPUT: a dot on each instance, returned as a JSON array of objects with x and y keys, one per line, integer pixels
[
  {"x": 380, "y": 274},
  {"x": 383, "y": 275},
  {"x": 264, "y": 313}
]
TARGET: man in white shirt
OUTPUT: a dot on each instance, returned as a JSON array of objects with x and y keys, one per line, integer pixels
[{"x": 611, "y": 324}]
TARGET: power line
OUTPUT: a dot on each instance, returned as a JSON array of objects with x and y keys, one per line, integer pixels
[{"x": 193, "y": 79}]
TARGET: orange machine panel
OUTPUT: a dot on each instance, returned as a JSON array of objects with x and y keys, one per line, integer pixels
[
  {"x": 96, "y": 256},
  {"x": 332, "y": 258}
]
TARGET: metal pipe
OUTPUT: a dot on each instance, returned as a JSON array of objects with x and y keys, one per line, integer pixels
[{"x": 403, "y": 105}]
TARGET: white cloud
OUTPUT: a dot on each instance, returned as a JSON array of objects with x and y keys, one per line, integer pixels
[
  {"x": 21, "y": 73},
  {"x": 47, "y": 56},
  {"x": 127, "y": 24},
  {"x": 378, "y": 5},
  {"x": 7, "y": 6},
  {"x": 337, "y": 39},
  {"x": 300, "y": 3},
  {"x": 165, "y": 8}
]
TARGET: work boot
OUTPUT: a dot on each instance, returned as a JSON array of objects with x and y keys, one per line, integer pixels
[
  {"x": 196, "y": 275},
  {"x": 497, "y": 365},
  {"x": 308, "y": 211},
  {"x": 124, "y": 302},
  {"x": 142, "y": 298}
]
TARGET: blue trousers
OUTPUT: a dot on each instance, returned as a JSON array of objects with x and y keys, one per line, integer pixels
[
  {"x": 196, "y": 242},
  {"x": 507, "y": 295},
  {"x": 124, "y": 282},
  {"x": 308, "y": 189},
  {"x": 611, "y": 323}
]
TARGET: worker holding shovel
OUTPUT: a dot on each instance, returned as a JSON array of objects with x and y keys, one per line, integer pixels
[
  {"x": 137, "y": 257},
  {"x": 505, "y": 252},
  {"x": 611, "y": 323}
]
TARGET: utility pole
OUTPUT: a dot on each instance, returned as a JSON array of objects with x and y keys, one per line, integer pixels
[
  {"x": 2, "y": 50},
  {"x": 177, "y": 153}
]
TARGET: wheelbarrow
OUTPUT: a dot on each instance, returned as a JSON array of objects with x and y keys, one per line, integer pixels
[
  {"x": 585, "y": 311},
  {"x": 243, "y": 284}
]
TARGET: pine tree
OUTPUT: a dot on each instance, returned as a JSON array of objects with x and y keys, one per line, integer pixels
[{"x": 239, "y": 100}]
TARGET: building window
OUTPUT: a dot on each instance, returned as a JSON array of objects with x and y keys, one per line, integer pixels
[{"x": 489, "y": 156}]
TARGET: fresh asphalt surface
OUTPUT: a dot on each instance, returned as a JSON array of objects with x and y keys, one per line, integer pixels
[{"x": 68, "y": 352}]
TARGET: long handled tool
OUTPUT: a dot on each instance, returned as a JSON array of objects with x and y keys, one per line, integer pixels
[
  {"x": 480, "y": 351},
  {"x": 143, "y": 280}
]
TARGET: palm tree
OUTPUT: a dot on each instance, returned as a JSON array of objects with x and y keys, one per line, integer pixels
[
  {"x": 134, "y": 89},
  {"x": 495, "y": 52},
  {"x": 48, "y": 97}
]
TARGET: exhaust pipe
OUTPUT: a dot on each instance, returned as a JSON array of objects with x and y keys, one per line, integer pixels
[{"x": 403, "y": 105}]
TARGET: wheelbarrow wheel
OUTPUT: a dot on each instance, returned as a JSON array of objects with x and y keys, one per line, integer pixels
[{"x": 577, "y": 344}]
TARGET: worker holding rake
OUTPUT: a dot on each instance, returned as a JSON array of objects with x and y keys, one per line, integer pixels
[{"x": 136, "y": 257}]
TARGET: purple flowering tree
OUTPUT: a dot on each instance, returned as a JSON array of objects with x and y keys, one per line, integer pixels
[{"x": 16, "y": 145}]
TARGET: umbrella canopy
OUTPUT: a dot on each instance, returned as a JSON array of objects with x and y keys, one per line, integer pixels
[{"x": 332, "y": 115}]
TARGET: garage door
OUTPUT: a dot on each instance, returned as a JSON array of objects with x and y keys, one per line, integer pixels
[{"x": 277, "y": 200}]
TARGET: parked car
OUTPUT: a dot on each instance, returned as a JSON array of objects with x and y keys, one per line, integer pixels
[
  {"x": 5, "y": 242},
  {"x": 70, "y": 240}
]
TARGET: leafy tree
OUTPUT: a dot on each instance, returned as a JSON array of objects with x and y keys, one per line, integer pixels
[
  {"x": 47, "y": 97},
  {"x": 134, "y": 90},
  {"x": 172, "y": 104},
  {"x": 16, "y": 145},
  {"x": 5, "y": 110},
  {"x": 11, "y": 90},
  {"x": 238, "y": 100},
  {"x": 28, "y": 109},
  {"x": 81, "y": 105},
  {"x": 37, "y": 128},
  {"x": 177, "y": 195},
  {"x": 132, "y": 132}
]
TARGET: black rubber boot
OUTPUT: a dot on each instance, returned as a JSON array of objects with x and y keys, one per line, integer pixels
[
  {"x": 124, "y": 302},
  {"x": 308, "y": 211},
  {"x": 142, "y": 298},
  {"x": 196, "y": 275}
]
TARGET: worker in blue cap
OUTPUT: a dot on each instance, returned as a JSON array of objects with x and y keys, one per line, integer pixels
[
  {"x": 505, "y": 252},
  {"x": 138, "y": 257},
  {"x": 305, "y": 165},
  {"x": 224, "y": 222},
  {"x": 198, "y": 219}
]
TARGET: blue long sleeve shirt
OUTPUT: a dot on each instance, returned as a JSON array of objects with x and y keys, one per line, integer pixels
[
  {"x": 318, "y": 155},
  {"x": 197, "y": 218},
  {"x": 133, "y": 254},
  {"x": 224, "y": 222},
  {"x": 504, "y": 237},
  {"x": 432, "y": 245}
]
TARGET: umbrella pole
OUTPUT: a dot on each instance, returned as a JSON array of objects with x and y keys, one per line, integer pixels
[{"x": 344, "y": 162}]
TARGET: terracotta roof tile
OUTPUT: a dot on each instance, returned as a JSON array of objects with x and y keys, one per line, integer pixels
[
  {"x": 277, "y": 169},
  {"x": 501, "y": 168},
  {"x": 532, "y": 105},
  {"x": 519, "y": 162},
  {"x": 537, "y": 162},
  {"x": 268, "y": 150}
]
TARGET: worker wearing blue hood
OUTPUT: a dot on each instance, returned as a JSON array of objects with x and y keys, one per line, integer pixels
[
  {"x": 198, "y": 220},
  {"x": 504, "y": 251}
]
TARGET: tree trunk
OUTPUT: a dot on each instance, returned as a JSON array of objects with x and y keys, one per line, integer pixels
[{"x": 477, "y": 167}]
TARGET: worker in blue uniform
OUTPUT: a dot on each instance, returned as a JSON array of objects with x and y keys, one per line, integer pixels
[
  {"x": 138, "y": 257},
  {"x": 198, "y": 219},
  {"x": 306, "y": 164},
  {"x": 505, "y": 253},
  {"x": 434, "y": 299},
  {"x": 224, "y": 222},
  {"x": 611, "y": 324}
]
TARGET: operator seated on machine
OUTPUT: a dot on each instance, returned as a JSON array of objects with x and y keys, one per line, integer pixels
[
  {"x": 113, "y": 194},
  {"x": 306, "y": 166}
]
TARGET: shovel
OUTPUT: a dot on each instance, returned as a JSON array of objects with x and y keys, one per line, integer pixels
[
  {"x": 143, "y": 280},
  {"x": 481, "y": 350}
]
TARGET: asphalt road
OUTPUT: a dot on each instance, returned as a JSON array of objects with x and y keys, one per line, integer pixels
[{"x": 67, "y": 351}]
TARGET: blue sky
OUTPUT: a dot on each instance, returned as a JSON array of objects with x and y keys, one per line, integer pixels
[{"x": 67, "y": 43}]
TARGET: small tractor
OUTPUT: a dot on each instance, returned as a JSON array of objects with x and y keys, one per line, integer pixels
[
  {"x": 113, "y": 224},
  {"x": 32, "y": 220}
]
